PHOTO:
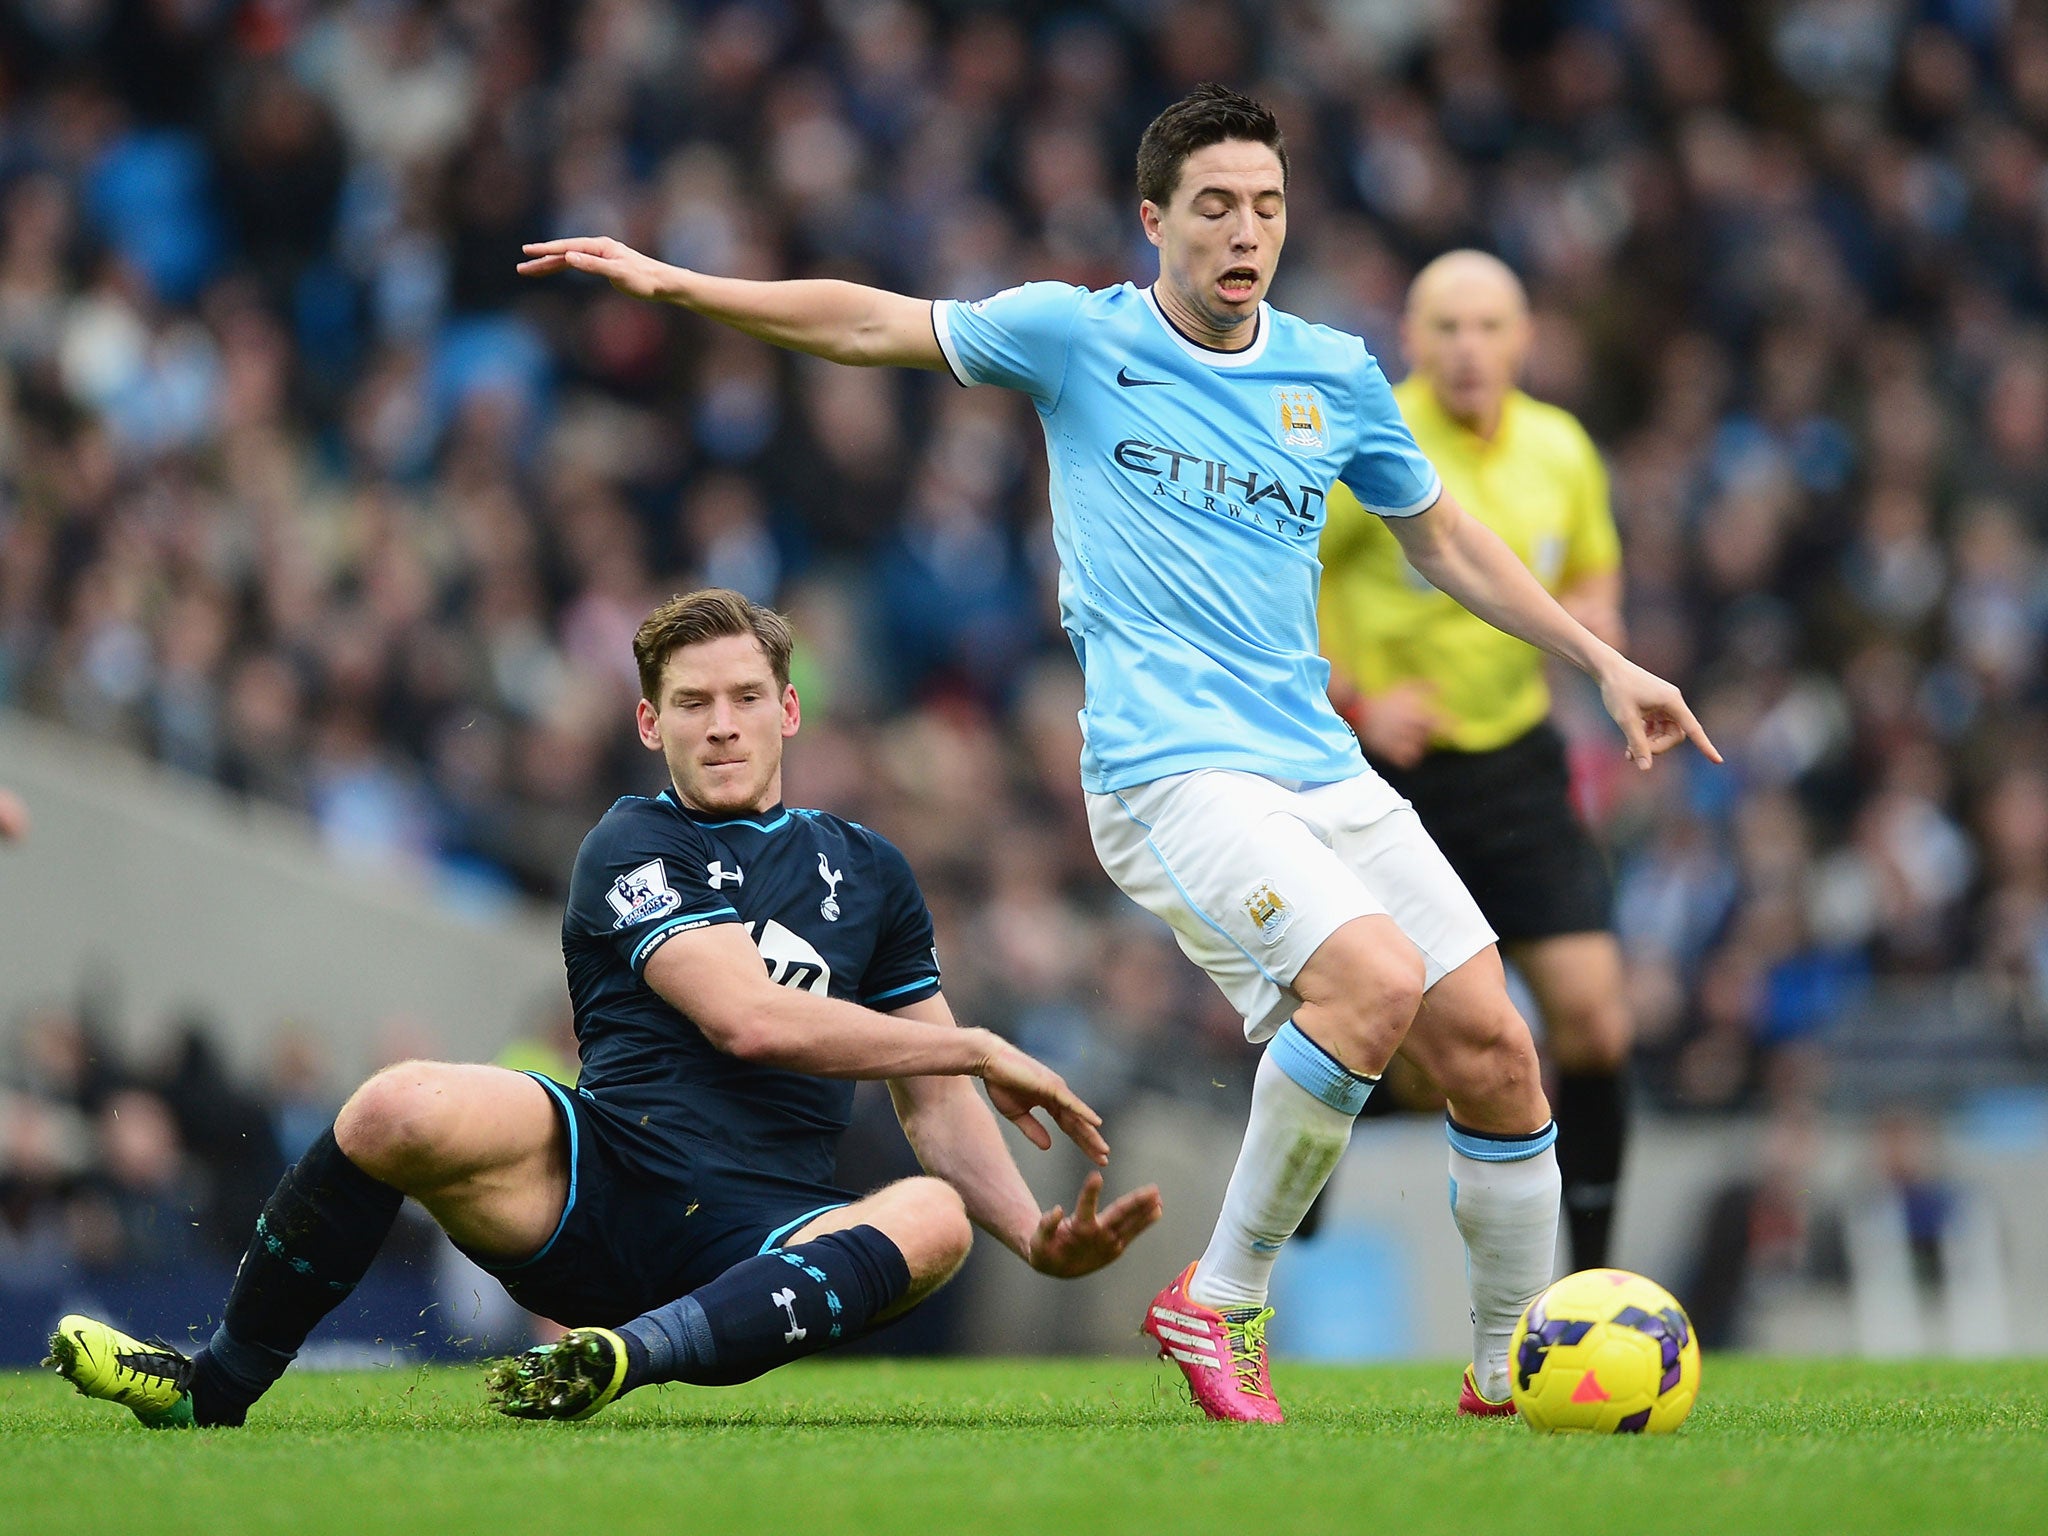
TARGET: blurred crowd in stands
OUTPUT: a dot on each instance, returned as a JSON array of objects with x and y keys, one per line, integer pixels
[
  {"x": 107, "y": 1166},
  {"x": 304, "y": 492}
]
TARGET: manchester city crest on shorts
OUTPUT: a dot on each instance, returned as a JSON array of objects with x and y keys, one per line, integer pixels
[
  {"x": 1300, "y": 418},
  {"x": 1269, "y": 911},
  {"x": 642, "y": 894}
]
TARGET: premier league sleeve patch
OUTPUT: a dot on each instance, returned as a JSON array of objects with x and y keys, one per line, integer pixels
[{"x": 642, "y": 895}]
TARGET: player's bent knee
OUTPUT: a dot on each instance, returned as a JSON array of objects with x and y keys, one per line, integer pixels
[
  {"x": 1497, "y": 1083},
  {"x": 1387, "y": 981},
  {"x": 1397, "y": 988},
  {"x": 391, "y": 1126},
  {"x": 927, "y": 1221},
  {"x": 1365, "y": 993},
  {"x": 944, "y": 1234}
]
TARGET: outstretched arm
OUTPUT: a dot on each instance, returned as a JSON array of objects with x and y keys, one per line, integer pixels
[
  {"x": 1458, "y": 554},
  {"x": 957, "y": 1139},
  {"x": 1595, "y": 601},
  {"x": 843, "y": 322},
  {"x": 714, "y": 977}
]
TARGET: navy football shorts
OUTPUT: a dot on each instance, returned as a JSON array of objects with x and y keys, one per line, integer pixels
[{"x": 628, "y": 1242}]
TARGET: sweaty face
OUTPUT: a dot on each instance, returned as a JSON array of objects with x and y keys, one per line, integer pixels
[
  {"x": 1219, "y": 237},
  {"x": 720, "y": 723},
  {"x": 1467, "y": 331}
]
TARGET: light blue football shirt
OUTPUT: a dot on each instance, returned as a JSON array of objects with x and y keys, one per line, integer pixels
[{"x": 1188, "y": 490}]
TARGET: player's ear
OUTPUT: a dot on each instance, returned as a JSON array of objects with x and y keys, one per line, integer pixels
[
  {"x": 1150, "y": 215},
  {"x": 649, "y": 723},
  {"x": 792, "y": 710}
]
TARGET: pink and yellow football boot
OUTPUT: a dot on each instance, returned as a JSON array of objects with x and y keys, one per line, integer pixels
[
  {"x": 1222, "y": 1354},
  {"x": 1470, "y": 1401}
]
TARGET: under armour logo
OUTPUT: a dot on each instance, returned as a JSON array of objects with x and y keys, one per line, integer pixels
[
  {"x": 719, "y": 874},
  {"x": 829, "y": 907},
  {"x": 786, "y": 1299}
]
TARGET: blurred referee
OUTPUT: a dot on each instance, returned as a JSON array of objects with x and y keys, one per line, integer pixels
[{"x": 1456, "y": 714}]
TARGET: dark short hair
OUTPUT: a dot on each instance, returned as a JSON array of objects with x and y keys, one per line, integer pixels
[
  {"x": 712, "y": 613},
  {"x": 1209, "y": 114}
]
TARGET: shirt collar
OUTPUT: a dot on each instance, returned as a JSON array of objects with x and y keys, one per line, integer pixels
[
  {"x": 760, "y": 821},
  {"x": 1215, "y": 357}
]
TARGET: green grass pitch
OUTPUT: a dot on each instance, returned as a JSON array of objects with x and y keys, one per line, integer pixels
[{"x": 1062, "y": 1447}]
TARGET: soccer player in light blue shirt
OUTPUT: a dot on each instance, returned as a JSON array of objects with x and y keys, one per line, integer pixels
[{"x": 1193, "y": 434}]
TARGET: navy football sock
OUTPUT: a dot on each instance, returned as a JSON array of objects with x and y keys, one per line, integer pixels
[
  {"x": 1592, "y": 1130},
  {"x": 315, "y": 1238},
  {"x": 767, "y": 1311}
]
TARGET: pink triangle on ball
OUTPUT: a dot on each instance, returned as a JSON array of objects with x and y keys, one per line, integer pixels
[{"x": 1589, "y": 1390}]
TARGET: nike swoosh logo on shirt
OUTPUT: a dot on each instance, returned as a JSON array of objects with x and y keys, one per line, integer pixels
[{"x": 1124, "y": 378}]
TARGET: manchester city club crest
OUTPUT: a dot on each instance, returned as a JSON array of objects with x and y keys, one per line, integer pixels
[
  {"x": 1301, "y": 418},
  {"x": 1270, "y": 912}
]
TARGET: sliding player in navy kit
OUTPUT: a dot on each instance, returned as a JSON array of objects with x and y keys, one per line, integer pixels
[{"x": 726, "y": 958}]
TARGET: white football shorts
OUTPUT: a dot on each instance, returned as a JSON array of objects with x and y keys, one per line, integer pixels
[{"x": 1252, "y": 876}]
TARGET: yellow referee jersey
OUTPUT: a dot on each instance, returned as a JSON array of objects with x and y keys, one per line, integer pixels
[{"x": 1540, "y": 485}]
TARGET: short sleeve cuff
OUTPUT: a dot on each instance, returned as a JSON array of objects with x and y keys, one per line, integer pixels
[
  {"x": 942, "y": 329},
  {"x": 1422, "y": 503},
  {"x": 903, "y": 996}
]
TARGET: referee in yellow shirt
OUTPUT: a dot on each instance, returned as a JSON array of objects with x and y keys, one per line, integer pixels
[{"x": 1456, "y": 714}]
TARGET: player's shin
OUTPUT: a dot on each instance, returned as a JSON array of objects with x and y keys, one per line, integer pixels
[
  {"x": 768, "y": 1310},
  {"x": 315, "y": 1238},
  {"x": 1592, "y": 1130},
  {"x": 1304, "y": 1103},
  {"x": 1504, "y": 1197}
]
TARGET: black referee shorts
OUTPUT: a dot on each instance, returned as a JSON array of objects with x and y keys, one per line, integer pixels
[{"x": 1505, "y": 821}]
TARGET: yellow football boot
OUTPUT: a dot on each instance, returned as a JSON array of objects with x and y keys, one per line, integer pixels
[
  {"x": 103, "y": 1362},
  {"x": 569, "y": 1379}
]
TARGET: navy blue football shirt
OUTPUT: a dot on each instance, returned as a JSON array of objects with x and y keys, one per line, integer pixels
[{"x": 833, "y": 909}]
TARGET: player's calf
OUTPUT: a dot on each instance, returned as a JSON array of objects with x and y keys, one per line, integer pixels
[
  {"x": 315, "y": 1238},
  {"x": 1503, "y": 1164},
  {"x": 1359, "y": 991},
  {"x": 840, "y": 1274},
  {"x": 762, "y": 1313},
  {"x": 478, "y": 1144}
]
